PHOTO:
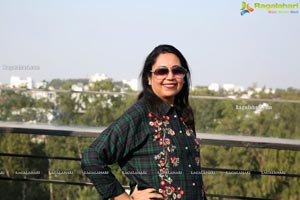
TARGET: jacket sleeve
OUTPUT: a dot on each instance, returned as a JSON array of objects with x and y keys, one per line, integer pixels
[{"x": 111, "y": 146}]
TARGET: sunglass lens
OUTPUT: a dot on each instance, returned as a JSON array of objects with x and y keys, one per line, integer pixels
[
  {"x": 178, "y": 71},
  {"x": 161, "y": 72}
]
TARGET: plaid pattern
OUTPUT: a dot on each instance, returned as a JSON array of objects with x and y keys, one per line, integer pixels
[{"x": 152, "y": 152}]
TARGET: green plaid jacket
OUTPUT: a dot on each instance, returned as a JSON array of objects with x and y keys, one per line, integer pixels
[{"x": 161, "y": 153}]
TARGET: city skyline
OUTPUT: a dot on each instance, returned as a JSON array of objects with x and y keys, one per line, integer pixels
[{"x": 73, "y": 39}]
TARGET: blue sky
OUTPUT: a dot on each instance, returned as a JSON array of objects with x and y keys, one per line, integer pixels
[{"x": 75, "y": 39}]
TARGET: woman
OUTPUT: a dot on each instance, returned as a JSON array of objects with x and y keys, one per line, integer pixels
[{"x": 154, "y": 142}]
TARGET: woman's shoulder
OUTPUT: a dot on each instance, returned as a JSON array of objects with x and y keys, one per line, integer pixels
[
  {"x": 139, "y": 107},
  {"x": 137, "y": 111}
]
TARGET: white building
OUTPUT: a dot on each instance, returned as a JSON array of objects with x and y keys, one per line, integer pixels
[
  {"x": 214, "y": 87},
  {"x": 41, "y": 85},
  {"x": 78, "y": 87},
  {"x": 133, "y": 83},
  {"x": 258, "y": 90},
  {"x": 17, "y": 82},
  {"x": 49, "y": 95},
  {"x": 269, "y": 91},
  {"x": 232, "y": 88},
  {"x": 97, "y": 77}
]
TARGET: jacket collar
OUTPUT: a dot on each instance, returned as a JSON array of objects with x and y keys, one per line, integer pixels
[
  {"x": 166, "y": 108},
  {"x": 161, "y": 105}
]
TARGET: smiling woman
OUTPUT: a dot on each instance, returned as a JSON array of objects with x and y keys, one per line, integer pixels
[{"x": 155, "y": 136}]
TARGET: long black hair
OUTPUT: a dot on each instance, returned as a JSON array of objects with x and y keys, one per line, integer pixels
[{"x": 181, "y": 101}]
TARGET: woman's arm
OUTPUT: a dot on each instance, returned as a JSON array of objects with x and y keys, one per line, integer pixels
[
  {"x": 95, "y": 167},
  {"x": 111, "y": 146}
]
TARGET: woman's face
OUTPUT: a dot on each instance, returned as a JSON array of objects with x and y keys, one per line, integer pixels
[{"x": 167, "y": 86}]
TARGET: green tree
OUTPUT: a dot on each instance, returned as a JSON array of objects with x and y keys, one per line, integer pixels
[{"x": 22, "y": 144}]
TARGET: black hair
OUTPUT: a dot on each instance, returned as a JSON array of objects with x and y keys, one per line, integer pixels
[{"x": 181, "y": 101}]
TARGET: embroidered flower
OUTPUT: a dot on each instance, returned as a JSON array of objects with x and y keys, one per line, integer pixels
[
  {"x": 157, "y": 136},
  {"x": 162, "y": 163},
  {"x": 166, "y": 117},
  {"x": 163, "y": 170},
  {"x": 158, "y": 156},
  {"x": 161, "y": 141},
  {"x": 197, "y": 146},
  {"x": 159, "y": 123},
  {"x": 171, "y": 132},
  {"x": 175, "y": 161},
  {"x": 188, "y": 130},
  {"x": 170, "y": 190},
  {"x": 167, "y": 142},
  {"x": 162, "y": 183},
  {"x": 197, "y": 159}
]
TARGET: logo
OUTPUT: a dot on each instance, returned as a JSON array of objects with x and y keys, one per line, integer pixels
[
  {"x": 246, "y": 8},
  {"x": 271, "y": 8}
]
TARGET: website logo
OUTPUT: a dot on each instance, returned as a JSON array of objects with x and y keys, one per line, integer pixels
[
  {"x": 246, "y": 8},
  {"x": 271, "y": 8}
]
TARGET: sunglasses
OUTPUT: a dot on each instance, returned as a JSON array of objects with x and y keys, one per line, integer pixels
[{"x": 162, "y": 72}]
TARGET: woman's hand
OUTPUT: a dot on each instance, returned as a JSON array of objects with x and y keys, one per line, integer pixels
[
  {"x": 123, "y": 196},
  {"x": 146, "y": 194}
]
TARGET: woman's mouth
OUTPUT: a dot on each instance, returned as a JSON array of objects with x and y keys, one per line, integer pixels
[{"x": 169, "y": 85}]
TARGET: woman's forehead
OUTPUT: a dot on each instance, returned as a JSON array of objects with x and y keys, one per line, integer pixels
[{"x": 167, "y": 59}]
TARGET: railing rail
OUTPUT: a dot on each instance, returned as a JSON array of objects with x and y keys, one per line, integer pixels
[{"x": 205, "y": 139}]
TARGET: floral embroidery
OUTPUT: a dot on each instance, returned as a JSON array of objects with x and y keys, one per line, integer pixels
[
  {"x": 171, "y": 132},
  {"x": 197, "y": 146},
  {"x": 167, "y": 157},
  {"x": 188, "y": 130},
  {"x": 197, "y": 160}
]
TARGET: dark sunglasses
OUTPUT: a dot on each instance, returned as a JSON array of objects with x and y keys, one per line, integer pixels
[{"x": 162, "y": 72}]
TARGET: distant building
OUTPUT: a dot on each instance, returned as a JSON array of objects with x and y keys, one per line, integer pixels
[
  {"x": 49, "y": 95},
  {"x": 97, "y": 77},
  {"x": 214, "y": 87},
  {"x": 269, "y": 91},
  {"x": 17, "y": 82},
  {"x": 78, "y": 87},
  {"x": 245, "y": 96},
  {"x": 41, "y": 85},
  {"x": 232, "y": 88},
  {"x": 133, "y": 83},
  {"x": 227, "y": 87},
  {"x": 258, "y": 90},
  {"x": 250, "y": 93}
]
